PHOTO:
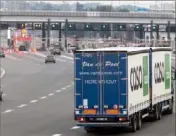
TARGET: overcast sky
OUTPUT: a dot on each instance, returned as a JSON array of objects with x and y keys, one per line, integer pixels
[{"x": 137, "y": 3}]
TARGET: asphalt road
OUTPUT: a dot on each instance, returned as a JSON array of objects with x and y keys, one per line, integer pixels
[{"x": 39, "y": 100}]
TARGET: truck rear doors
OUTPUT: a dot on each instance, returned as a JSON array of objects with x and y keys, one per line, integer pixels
[{"x": 100, "y": 83}]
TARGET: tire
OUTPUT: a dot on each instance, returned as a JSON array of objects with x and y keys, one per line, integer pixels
[
  {"x": 54, "y": 62},
  {"x": 157, "y": 112},
  {"x": 134, "y": 123},
  {"x": 89, "y": 129},
  {"x": 171, "y": 107},
  {"x": 1, "y": 97},
  {"x": 45, "y": 61},
  {"x": 160, "y": 111},
  {"x": 139, "y": 121}
]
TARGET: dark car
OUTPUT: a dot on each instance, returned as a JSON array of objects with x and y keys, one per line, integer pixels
[
  {"x": 50, "y": 58},
  {"x": 55, "y": 51},
  {"x": 2, "y": 54},
  {"x": 22, "y": 48}
]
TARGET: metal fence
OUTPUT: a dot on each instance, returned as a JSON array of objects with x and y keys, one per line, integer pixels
[{"x": 159, "y": 15}]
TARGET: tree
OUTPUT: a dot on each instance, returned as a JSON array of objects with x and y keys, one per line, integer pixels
[
  {"x": 106, "y": 8},
  {"x": 123, "y": 10}
]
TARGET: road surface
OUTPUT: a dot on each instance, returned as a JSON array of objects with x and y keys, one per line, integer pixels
[{"x": 39, "y": 100}]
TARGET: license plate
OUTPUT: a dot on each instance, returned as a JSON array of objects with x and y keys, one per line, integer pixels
[{"x": 101, "y": 119}]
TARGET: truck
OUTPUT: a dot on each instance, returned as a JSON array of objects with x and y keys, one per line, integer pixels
[{"x": 121, "y": 86}]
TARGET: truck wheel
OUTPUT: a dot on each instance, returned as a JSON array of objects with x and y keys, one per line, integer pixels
[
  {"x": 1, "y": 97},
  {"x": 160, "y": 111},
  {"x": 134, "y": 123},
  {"x": 139, "y": 121},
  {"x": 156, "y": 112},
  {"x": 171, "y": 105},
  {"x": 89, "y": 129}
]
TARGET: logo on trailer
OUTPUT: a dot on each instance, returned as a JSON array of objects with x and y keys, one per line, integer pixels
[
  {"x": 136, "y": 78},
  {"x": 159, "y": 72}
]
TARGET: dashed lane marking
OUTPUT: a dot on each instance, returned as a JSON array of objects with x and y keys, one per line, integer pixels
[
  {"x": 61, "y": 60},
  {"x": 68, "y": 86},
  {"x": 11, "y": 57},
  {"x": 33, "y": 58},
  {"x": 57, "y": 135},
  {"x": 4, "y": 94},
  {"x": 63, "y": 56},
  {"x": 22, "y": 105},
  {"x": 58, "y": 91},
  {"x": 44, "y": 97},
  {"x": 63, "y": 88},
  {"x": 8, "y": 111},
  {"x": 51, "y": 94},
  {"x": 75, "y": 127},
  {"x": 33, "y": 101}
]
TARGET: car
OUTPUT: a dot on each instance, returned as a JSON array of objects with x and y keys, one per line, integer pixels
[
  {"x": 22, "y": 48},
  {"x": 1, "y": 94},
  {"x": 55, "y": 51},
  {"x": 71, "y": 48},
  {"x": 50, "y": 58},
  {"x": 2, "y": 54}
]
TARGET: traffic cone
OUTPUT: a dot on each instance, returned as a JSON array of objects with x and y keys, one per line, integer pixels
[{"x": 33, "y": 49}]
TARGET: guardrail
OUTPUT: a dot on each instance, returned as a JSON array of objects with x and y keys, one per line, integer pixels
[{"x": 88, "y": 14}]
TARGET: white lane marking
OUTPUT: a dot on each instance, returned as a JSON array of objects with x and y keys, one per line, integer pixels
[
  {"x": 39, "y": 54},
  {"x": 33, "y": 58},
  {"x": 11, "y": 57},
  {"x": 57, "y": 135},
  {"x": 51, "y": 94},
  {"x": 72, "y": 83},
  {"x": 44, "y": 97},
  {"x": 63, "y": 56},
  {"x": 58, "y": 91},
  {"x": 68, "y": 86},
  {"x": 38, "y": 64},
  {"x": 22, "y": 105},
  {"x": 72, "y": 62},
  {"x": 2, "y": 72},
  {"x": 61, "y": 60},
  {"x": 63, "y": 88},
  {"x": 4, "y": 94},
  {"x": 33, "y": 101},
  {"x": 75, "y": 127},
  {"x": 8, "y": 111}
]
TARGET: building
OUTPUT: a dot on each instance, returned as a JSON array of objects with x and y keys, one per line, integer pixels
[{"x": 163, "y": 7}]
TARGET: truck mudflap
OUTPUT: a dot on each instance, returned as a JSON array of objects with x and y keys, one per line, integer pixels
[{"x": 104, "y": 124}]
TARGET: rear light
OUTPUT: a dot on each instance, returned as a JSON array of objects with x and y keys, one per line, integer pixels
[
  {"x": 115, "y": 107},
  {"x": 122, "y": 119},
  {"x": 80, "y": 119}
]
